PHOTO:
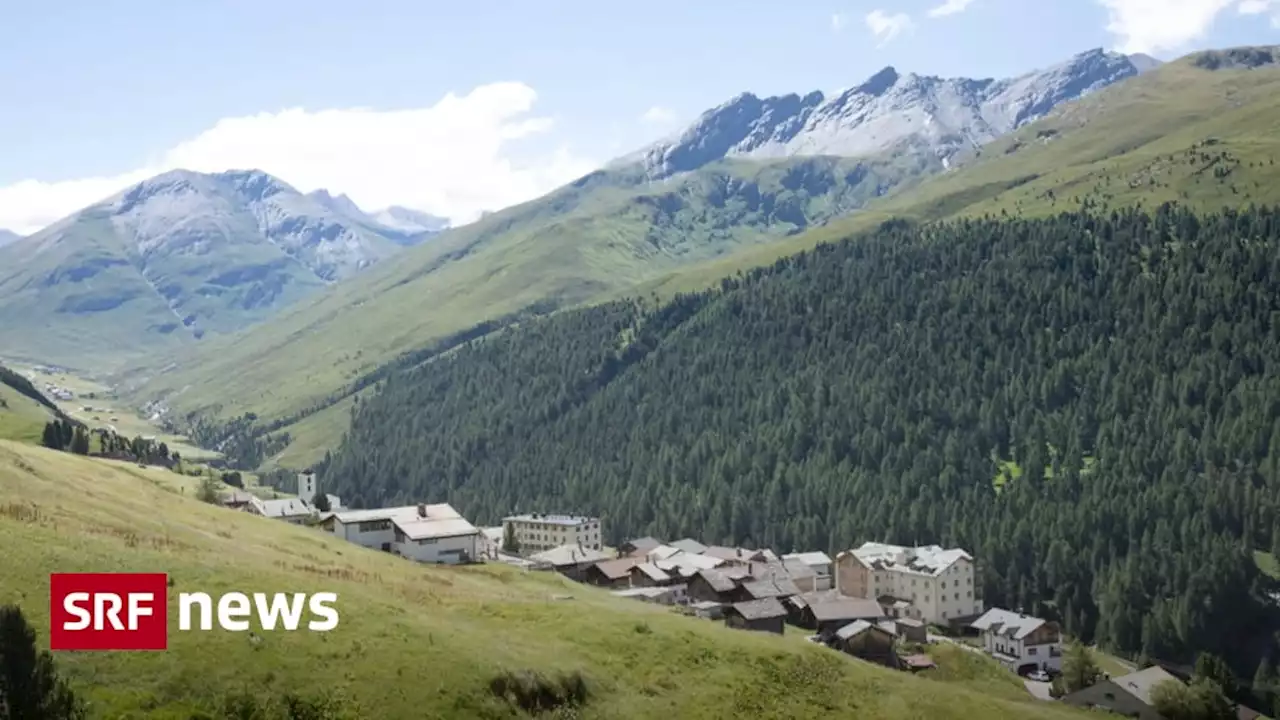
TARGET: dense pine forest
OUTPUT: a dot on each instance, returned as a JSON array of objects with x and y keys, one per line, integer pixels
[{"x": 1090, "y": 404}]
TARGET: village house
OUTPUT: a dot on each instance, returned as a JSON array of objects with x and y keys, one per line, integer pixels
[
  {"x": 707, "y": 610},
  {"x": 236, "y": 500},
  {"x": 639, "y": 546},
  {"x": 1020, "y": 642},
  {"x": 825, "y": 615},
  {"x": 427, "y": 533},
  {"x": 538, "y": 532},
  {"x": 442, "y": 536},
  {"x": 650, "y": 575},
  {"x": 911, "y": 630},
  {"x": 712, "y": 586},
  {"x": 927, "y": 583},
  {"x": 819, "y": 563},
  {"x": 572, "y": 561},
  {"x": 290, "y": 510},
  {"x": 765, "y": 615},
  {"x": 1127, "y": 695},
  {"x": 802, "y": 575},
  {"x": 611, "y": 573},
  {"x": 873, "y": 642}
]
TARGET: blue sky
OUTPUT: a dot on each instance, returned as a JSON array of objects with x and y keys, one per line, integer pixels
[{"x": 99, "y": 94}]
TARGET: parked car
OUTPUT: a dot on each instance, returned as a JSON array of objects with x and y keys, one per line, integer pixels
[{"x": 1039, "y": 676}]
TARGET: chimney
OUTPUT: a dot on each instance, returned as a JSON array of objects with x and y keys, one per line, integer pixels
[{"x": 422, "y": 510}]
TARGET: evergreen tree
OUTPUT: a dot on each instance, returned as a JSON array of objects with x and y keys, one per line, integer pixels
[
  {"x": 1079, "y": 669},
  {"x": 52, "y": 438},
  {"x": 510, "y": 545},
  {"x": 1202, "y": 699},
  {"x": 208, "y": 489},
  {"x": 80, "y": 441},
  {"x": 1211, "y": 667},
  {"x": 30, "y": 687},
  {"x": 321, "y": 502},
  {"x": 1264, "y": 686}
]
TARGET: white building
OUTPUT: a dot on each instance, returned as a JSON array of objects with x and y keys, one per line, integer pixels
[
  {"x": 1020, "y": 641},
  {"x": 427, "y": 533},
  {"x": 536, "y": 532},
  {"x": 290, "y": 510},
  {"x": 927, "y": 583},
  {"x": 821, "y": 565}
]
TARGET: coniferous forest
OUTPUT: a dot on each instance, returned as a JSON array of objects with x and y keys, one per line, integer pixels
[{"x": 1090, "y": 404}]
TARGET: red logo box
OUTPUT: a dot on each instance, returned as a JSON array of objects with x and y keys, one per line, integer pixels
[{"x": 108, "y": 611}]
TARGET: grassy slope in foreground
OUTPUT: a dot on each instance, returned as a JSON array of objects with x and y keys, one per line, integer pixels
[
  {"x": 1108, "y": 146},
  {"x": 415, "y": 641}
]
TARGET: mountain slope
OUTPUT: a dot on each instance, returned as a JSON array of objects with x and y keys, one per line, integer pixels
[
  {"x": 937, "y": 116},
  {"x": 606, "y": 232},
  {"x": 166, "y": 261},
  {"x": 7, "y": 237},
  {"x": 401, "y": 225},
  {"x": 468, "y": 625},
  {"x": 1119, "y": 365},
  {"x": 24, "y": 410}
]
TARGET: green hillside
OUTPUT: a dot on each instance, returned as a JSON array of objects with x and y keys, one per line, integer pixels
[
  {"x": 599, "y": 235},
  {"x": 1197, "y": 130},
  {"x": 23, "y": 409},
  {"x": 872, "y": 390},
  {"x": 414, "y": 641}
]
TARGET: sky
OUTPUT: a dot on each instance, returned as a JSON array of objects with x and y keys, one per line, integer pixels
[{"x": 460, "y": 107}]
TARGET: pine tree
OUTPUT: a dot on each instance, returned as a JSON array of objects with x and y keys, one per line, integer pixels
[
  {"x": 321, "y": 502},
  {"x": 1079, "y": 669},
  {"x": 1264, "y": 685},
  {"x": 52, "y": 438},
  {"x": 30, "y": 688}
]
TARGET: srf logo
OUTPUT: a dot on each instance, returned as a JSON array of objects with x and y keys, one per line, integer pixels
[{"x": 108, "y": 611}]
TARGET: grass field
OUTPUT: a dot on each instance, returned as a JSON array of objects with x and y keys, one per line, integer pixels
[
  {"x": 108, "y": 410},
  {"x": 21, "y": 418},
  {"x": 414, "y": 641}
]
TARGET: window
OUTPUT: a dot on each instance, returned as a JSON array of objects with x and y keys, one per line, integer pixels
[
  {"x": 913, "y": 597},
  {"x": 926, "y": 598},
  {"x": 968, "y": 593},
  {"x": 944, "y": 583},
  {"x": 944, "y": 614},
  {"x": 1031, "y": 651},
  {"x": 957, "y": 596}
]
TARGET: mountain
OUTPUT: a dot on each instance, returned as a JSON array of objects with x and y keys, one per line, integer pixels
[
  {"x": 170, "y": 259},
  {"x": 24, "y": 410},
  {"x": 938, "y": 117},
  {"x": 602, "y": 234},
  {"x": 403, "y": 226},
  {"x": 7, "y": 237}
]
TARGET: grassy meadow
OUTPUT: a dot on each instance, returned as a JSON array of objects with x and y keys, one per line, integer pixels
[{"x": 414, "y": 641}]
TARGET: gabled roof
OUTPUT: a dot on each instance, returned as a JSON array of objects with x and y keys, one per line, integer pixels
[
  {"x": 760, "y": 609},
  {"x": 618, "y": 569},
  {"x": 421, "y": 528},
  {"x": 797, "y": 569},
  {"x": 858, "y": 627},
  {"x": 689, "y": 564},
  {"x": 847, "y": 609},
  {"x": 662, "y": 552},
  {"x": 1139, "y": 684},
  {"x": 282, "y": 507},
  {"x": 643, "y": 545},
  {"x": 566, "y": 555},
  {"x": 809, "y": 558},
  {"x": 717, "y": 580},
  {"x": 773, "y": 587},
  {"x": 689, "y": 545},
  {"x": 923, "y": 560},
  {"x": 653, "y": 572},
  {"x": 1007, "y": 623},
  {"x": 728, "y": 553}
]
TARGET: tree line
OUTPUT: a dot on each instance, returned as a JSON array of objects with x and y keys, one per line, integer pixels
[
  {"x": 72, "y": 436},
  {"x": 1090, "y": 403}
]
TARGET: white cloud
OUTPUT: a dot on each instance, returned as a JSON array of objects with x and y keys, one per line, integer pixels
[
  {"x": 449, "y": 159},
  {"x": 1150, "y": 26},
  {"x": 1258, "y": 7},
  {"x": 887, "y": 27},
  {"x": 950, "y": 7},
  {"x": 838, "y": 22},
  {"x": 658, "y": 115}
]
